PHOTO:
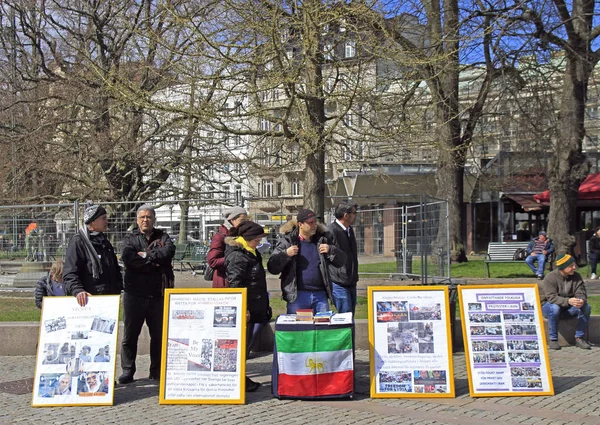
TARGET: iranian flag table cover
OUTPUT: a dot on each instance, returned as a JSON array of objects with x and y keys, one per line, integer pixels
[{"x": 313, "y": 361}]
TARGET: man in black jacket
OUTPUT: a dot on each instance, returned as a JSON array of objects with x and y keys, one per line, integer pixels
[
  {"x": 91, "y": 266},
  {"x": 345, "y": 278},
  {"x": 303, "y": 256},
  {"x": 147, "y": 253}
]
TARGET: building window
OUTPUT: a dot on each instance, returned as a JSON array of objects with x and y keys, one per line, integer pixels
[
  {"x": 350, "y": 49},
  {"x": 225, "y": 193},
  {"x": 328, "y": 51},
  {"x": 348, "y": 119},
  {"x": 265, "y": 125},
  {"x": 295, "y": 187},
  {"x": 267, "y": 187},
  {"x": 279, "y": 188},
  {"x": 238, "y": 194}
]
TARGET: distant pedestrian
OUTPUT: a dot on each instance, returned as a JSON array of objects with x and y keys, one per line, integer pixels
[
  {"x": 51, "y": 284},
  {"x": 594, "y": 247},
  {"x": 539, "y": 249}
]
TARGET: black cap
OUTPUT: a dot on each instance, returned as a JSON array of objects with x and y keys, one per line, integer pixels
[
  {"x": 250, "y": 230},
  {"x": 305, "y": 215}
]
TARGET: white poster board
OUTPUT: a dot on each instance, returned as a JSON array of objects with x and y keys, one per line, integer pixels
[
  {"x": 410, "y": 340},
  {"x": 505, "y": 342},
  {"x": 75, "y": 363},
  {"x": 204, "y": 346}
]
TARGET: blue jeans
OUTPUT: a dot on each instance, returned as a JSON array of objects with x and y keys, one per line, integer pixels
[
  {"x": 344, "y": 298},
  {"x": 317, "y": 300},
  {"x": 554, "y": 312},
  {"x": 541, "y": 259}
]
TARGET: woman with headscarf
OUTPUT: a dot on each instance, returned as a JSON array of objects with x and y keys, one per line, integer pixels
[
  {"x": 245, "y": 269},
  {"x": 215, "y": 258}
]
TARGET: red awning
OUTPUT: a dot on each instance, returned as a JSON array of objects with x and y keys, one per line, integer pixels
[{"x": 589, "y": 190}]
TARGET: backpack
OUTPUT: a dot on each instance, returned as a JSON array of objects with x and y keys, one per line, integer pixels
[
  {"x": 208, "y": 273},
  {"x": 520, "y": 254}
]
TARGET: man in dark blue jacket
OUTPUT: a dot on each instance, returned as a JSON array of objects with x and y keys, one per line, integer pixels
[
  {"x": 345, "y": 278},
  {"x": 303, "y": 256},
  {"x": 147, "y": 253}
]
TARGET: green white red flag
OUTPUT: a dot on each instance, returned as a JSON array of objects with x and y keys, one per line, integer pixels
[{"x": 315, "y": 363}]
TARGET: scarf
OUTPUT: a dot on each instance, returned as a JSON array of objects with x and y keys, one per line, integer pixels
[
  {"x": 245, "y": 245},
  {"x": 91, "y": 253}
]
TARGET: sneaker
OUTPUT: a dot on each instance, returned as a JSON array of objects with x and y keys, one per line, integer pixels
[
  {"x": 582, "y": 343},
  {"x": 154, "y": 377},
  {"x": 540, "y": 277},
  {"x": 554, "y": 345},
  {"x": 594, "y": 276},
  {"x": 125, "y": 378},
  {"x": 251, "y": 385}
]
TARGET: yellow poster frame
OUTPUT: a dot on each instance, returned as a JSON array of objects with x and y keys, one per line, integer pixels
[
  {"x": 111, "y": 382},
  {"x": 543, "y": 349},
  {"x": 241, "y": 399},
  {"x": 372, "y": 354}
]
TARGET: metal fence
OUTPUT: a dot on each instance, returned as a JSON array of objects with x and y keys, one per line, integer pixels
[
  {"x": 406, "y": 242},
  {"x": 33, "y": 236}
]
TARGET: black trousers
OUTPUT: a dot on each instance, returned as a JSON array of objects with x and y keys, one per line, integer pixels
[{"x": 136, "y": 311}]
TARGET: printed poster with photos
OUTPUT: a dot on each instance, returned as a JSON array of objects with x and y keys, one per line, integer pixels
[
  {"x": 410, "y": 340},
  {"x": 204, "y": 350},
  {"x": 75, "y": 364},
  {"x": 505, "y": 342}
]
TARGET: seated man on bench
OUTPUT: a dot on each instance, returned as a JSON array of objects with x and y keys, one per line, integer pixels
[
  {"x": 563, "y": 294},
  {"x": 538, "y": 250}
]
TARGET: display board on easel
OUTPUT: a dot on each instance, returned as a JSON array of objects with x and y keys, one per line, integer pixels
[
  {"x": 75, "y": 363},
  {"x": 410, "y": 342},
  {"x": 204, "y": 346},
  {"x": 505, "y": 342}
]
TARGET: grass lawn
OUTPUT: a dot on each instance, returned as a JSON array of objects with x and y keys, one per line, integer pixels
[
  {"x": 23, "y": 309},
  {"x": 471, "y": 269}
]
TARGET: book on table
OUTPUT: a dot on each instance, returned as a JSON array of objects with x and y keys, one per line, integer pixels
[
  {"x": 304, "y": 315},
  {"x": 323, "y": 317}
]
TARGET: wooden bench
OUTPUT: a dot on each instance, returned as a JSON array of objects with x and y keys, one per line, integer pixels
[{"x": 504, "y": 252}]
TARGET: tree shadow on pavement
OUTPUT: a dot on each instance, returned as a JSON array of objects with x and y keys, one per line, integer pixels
[
  {"x": 566, "y": 383},
  {"x": 139, "y": 389}
]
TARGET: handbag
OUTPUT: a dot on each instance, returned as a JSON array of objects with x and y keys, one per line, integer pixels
[{"x": 208, "y": 273}]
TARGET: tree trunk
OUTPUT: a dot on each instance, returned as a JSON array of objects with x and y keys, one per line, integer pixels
[{"x": 568, "y": 167}]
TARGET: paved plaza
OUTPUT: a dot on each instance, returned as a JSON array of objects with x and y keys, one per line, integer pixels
[{"x": 576, "y": 377}]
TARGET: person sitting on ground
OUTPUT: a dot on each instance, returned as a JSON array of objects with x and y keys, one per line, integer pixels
[
  {"x": 51, "y": 284},
  {"x": 538, "y": 250},
  {"x": 563, "y": 294},
  {"x": 594, "y": 247}
]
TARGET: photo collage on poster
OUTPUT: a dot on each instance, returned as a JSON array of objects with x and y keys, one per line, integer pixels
[
  {"x": 75, "y": 363},
  {"x": 504, "y": 337},
  {"x": 203, "y": 342},
  {"x": 414, "y": 358}
]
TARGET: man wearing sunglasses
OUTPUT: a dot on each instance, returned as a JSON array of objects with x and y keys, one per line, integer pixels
[{"x": 303, "y": 255}]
